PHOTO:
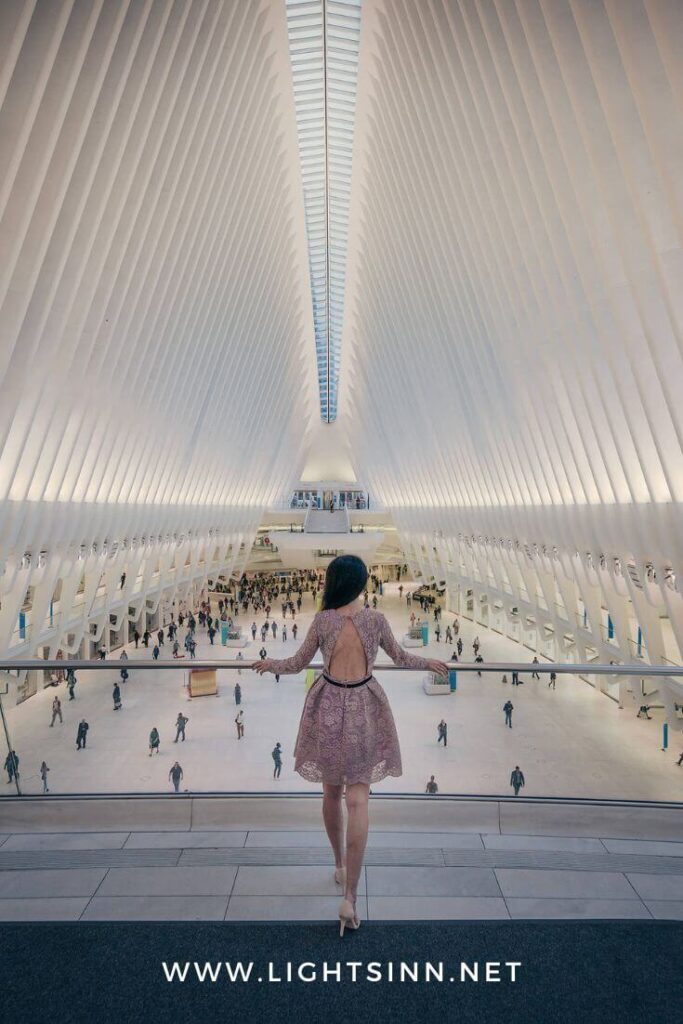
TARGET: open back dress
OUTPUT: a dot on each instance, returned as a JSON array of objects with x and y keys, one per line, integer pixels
[{"x": 347, "y": 732}]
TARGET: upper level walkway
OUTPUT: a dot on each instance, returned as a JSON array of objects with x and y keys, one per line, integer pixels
[{"x": 267, "y": 858}]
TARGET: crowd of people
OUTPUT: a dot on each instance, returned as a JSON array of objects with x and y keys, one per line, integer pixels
[{"x": 260, "y": 597}]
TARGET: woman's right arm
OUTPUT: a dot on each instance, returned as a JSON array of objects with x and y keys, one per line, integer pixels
[{"x": 298, "y": 661}]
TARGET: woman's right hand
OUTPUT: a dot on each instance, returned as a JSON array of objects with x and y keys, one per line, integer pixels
[{"x": 440, "y": 668}]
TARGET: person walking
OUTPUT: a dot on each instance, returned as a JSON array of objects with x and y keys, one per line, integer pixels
[
  {"x": 155, "y": 652},
  {"x": 146, "y": 637},
  {"x": 12, "y": 766},
  {"x": 70, "y": 682},
  {"x": 160, "y": 637},
  {"x": 283, "y": 633},
  {"x": 43, "y": 774},
  {"x": 263, "y": 654},
  {"x": 476, "y": 645},
  {"x": 680, "y": 760},
  {"x": 347, "y": 736},
  {"x": 180, "y": 723},
  {"x": 437, "y": 633},
  {"x": 553, "y": 680},
  {"x": 517, "y": 779},
  {"x": 508, "y": 708},
  {"x": 238, "y": 694},
  {"x": 442, "y": 732},
  {"x": 277, "y": 759},
  {"x": 431, "y": 786},
  {"x": 274, "y": 629},
  {"x": 136, "y": 638},
  {"x": 56, "y": 711},
  {"x": 534, "y": 674},
  {"x": 515, "y": 678},
  {"x": 154, "y": 741},
  {"x": 82, "y": 734},
  {"x": 295, "y": 630},
  {"x": 212, "y": 634},
  {"x": 175, "y": 775},
  {"x": 239, "y": 722},
  {"x": 459, "y": 646},
  {"x": 116, "y": 696}
]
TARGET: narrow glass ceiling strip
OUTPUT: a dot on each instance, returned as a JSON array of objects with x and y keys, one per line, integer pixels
[{"x": 324, "y": 40}]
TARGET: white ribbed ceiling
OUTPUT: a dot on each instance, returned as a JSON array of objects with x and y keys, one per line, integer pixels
[{"x": 502, "y": 314}]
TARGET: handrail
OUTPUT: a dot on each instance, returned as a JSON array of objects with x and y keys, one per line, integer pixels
[{"x": 36, "y": 664}]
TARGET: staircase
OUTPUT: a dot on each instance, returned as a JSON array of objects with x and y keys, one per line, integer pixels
[{"x": 322, "y": 521}]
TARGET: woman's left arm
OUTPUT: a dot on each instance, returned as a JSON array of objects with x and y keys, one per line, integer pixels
[{"x": 399, "y": 656}]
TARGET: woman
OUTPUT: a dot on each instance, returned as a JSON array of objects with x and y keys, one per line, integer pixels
[{"x": 347, "y": 737}]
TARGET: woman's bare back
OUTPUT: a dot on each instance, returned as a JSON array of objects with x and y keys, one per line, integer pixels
[{"x": 348, "y": 661}]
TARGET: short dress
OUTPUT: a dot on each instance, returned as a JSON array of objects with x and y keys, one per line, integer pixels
[{"x": 347, "y": 733}]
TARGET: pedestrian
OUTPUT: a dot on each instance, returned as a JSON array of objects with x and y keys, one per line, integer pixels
[
  {"x": 442, "y": 732},
  {"x": 56, "y": 711},
  {"x": 284, "y": 633},
  {"x": 479, "y": 661},
  {"x": 274, "y": 629},
  {"x": 154, "y": 741},
  {"x": 180, "y": 723},
  {"x": 515, "y": 678},
  {"x": 476, "y": 645},
  {"x": 508, "y": 708},
  {"x": 456, "y": 627},
  {"x": 277, "y": 758},
  {"x": 553, "y": 679},
  {"x": 70, "y": 682},
  {"x": 431, "y": 787},
  {"x": 240, "y": 657},
  {"x": 146, "y": 637},
  {"x": 82, "y": 734},
  {"x": 116, "y": 695},
  {"x": 459, "y": 646},
  {"x": 437, "y": 633},
  {"x": 449, "y": 635},
  {"x": 239, "y": 722},
  {"x": 155, "y": 652},
  {"x": 43, "y": 774},
  {"x": 263, "y": 654},
  {"x": 124, "y": 671},
  {"x": 102, "y": 653},
  {"x": 176, "y": 774},
  {"x": 534, "y": 674},
  {"x": 160, "y": 637},
  {"x": 212, "y": 633},
  {"x": 295, "y": 630},
  {"x": 680, "y": 760},
  {"x": 238, "y": 694},
  {"x": 136, "y": 638},
  {"x": 517, "y": 779},
  {"x": 12, "y": 766}
]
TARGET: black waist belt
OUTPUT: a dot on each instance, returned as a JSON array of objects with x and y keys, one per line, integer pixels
[{"x": 346, "y": 686}]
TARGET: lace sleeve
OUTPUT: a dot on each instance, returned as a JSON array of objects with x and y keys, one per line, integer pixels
[
  {"x": 388, "y": 642},
  {"x": 303, "y": 657}
]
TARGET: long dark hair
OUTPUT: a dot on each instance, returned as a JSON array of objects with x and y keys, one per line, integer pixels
[{"x": 345, "y": 579}]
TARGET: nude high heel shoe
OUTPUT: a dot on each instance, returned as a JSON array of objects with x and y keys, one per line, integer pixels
[
  {"x": 340, "y": 876},
  {"x": 347, "y": 916}
]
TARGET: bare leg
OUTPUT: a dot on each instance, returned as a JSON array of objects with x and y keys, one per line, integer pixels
[
  {"x": 334, "y": 821},
  {"x": 356, "y": 835}
]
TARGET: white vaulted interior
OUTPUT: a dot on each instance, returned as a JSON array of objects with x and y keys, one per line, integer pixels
[{"x": 429, "y": 249}]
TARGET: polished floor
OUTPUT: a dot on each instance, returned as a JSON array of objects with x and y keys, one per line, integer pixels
[
  {"x": 572, "y": 741},
  {"x": 286, "y": 874}
]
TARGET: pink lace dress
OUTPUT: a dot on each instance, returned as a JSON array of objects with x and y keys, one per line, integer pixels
[{"x": 347, "y": 734}]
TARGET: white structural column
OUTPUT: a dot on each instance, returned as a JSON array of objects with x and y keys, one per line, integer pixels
[
  {"x": 155, "y": 318},
  {"x": 514, "y": 332}
]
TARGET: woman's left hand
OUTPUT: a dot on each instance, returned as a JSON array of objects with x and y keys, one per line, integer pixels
[{"x": 263, "y": 666}]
